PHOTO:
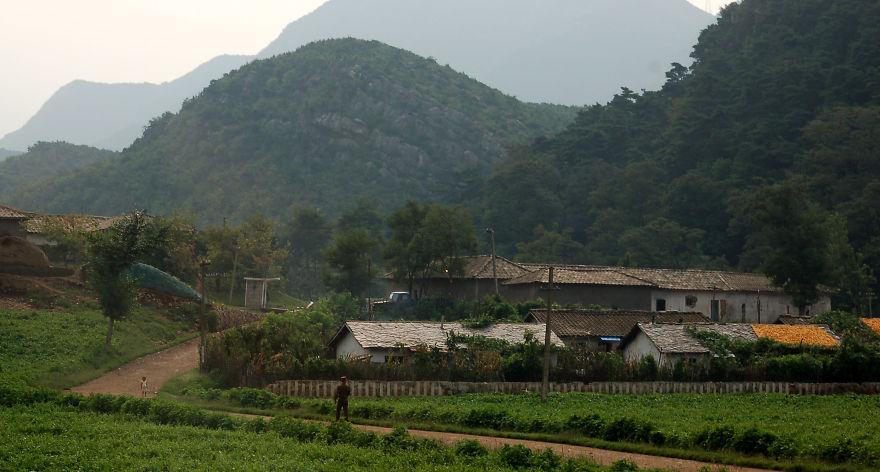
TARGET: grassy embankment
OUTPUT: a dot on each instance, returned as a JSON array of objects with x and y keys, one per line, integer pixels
[
  {"x": 63, "y": 347},
  {"x": 44, "y": 430},
  {"x": 771, "y": 431}
]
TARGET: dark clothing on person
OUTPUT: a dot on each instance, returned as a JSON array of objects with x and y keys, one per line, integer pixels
[{"x": 343, "y": 391}]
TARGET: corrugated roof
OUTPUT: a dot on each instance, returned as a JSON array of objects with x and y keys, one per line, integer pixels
[
  {"x": 675, "y": 338},
  {"x": 814, "y": 335},
  {"x": 616, "y": 323},
  {"x": 12, "y": 214},
  {"x": 386, "y": 335}
]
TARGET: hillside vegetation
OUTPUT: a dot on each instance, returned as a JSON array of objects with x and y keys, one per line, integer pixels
[
  {"x": 334, "y": 120},
  {"x": 45, "y": 161},
  {"x": 774, "y": 127}
]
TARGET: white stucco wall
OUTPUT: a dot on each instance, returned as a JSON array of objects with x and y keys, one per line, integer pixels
[
  {"x": 348, "y": 348},
  {"x": 773, "y": 305},
  {"x": 640, "y": 347}
]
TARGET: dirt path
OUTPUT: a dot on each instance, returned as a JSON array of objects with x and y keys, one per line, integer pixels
[
  {"x": 162, "y": 366},
  {"x": 158, "y": 368}
]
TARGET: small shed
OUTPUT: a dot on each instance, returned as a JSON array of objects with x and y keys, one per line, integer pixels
[{"x": 256, "y": 292}]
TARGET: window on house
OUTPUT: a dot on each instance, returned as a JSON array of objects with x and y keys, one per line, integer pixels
[
  {"x": 690, "y": 301},
  {"x": 660, "y": 304}
]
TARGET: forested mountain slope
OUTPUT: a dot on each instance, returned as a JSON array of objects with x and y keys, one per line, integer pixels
[
  {"x": 779, "y": 115},
  {"x": 573, "y": 52},
  {"x": 44, "y": 162},
  {"x": 559, "y": 51},
  {"x": 111, "y": 116},
  {"x": 331, "y": 122}
]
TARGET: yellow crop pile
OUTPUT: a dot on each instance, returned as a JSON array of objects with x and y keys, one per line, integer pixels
[
  {"x": 873, "y": 323},
  {"x": 795, "y": 334}
]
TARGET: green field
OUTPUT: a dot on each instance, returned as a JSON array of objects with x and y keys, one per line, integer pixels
[
  {"x": 814, "y": 430},
  {"x": 51, "y": 437},
  {"x": 61, "y": 349}
]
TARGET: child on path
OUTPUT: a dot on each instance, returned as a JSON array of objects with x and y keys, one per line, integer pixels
[{"x": 144, "y": 386}]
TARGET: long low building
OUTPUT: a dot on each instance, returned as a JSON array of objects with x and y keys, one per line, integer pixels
[
  {"x": 602, "y": 331},
  {"x": 723, "y": 296},
  {"x": 383, "y": 342}
]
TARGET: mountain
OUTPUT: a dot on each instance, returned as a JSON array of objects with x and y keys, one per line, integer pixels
[
  {"x": 322, "y": 126},
  {"x": 782, "y": 103},
  {"x": 572, "y": 52},
  {"x": 6, "y": 153},
  {"x": 44, "y": 162},
  {"x": 112, "y": 116}
]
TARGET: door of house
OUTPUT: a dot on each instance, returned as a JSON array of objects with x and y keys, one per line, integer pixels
[{"x": 715, "y": 310}]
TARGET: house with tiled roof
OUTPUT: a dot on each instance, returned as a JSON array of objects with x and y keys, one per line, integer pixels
[
  {"x": 382, "y": 342},
  {"x": 603, "y": 330},
  {"x": 723, "y": 296},
  {"x": 670, "y": 344},
  {"x": 11, "y": 221},
  {"x": 473, "y": 279}
]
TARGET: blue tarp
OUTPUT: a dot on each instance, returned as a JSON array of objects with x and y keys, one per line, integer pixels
[{"x": 151, "y": 278}]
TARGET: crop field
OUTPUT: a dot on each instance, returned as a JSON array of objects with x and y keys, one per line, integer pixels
[
  {"x": 830, "y": 427},
  {"x": 827, "y": 429},
  {"x": 64, "y": 348},
  {"x": 52, "y": 437}
]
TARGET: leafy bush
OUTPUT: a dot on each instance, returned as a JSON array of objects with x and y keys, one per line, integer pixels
[
  {"x": 293, "y": 428},
  {"x": 486, "y": 418},
  {"x": 624, "y": 466},
  {"x": 515, "y": 456},
  {"x": 470, "y": 448},
  {"x": 752, "y": 441}
]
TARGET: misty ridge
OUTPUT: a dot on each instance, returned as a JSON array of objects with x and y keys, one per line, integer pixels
[{"x": 556, "y": 51}]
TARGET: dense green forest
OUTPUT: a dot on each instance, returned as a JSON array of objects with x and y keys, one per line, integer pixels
[
  {"x": 772, "y": 135},
  {"x": 45, "y": 162},
  {"x": 763, "y": 155},
  {"x": 6, "y": 153},
  {"x": 321, "y": 126}
]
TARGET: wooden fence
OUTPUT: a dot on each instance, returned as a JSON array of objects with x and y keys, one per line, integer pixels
[{"x": 375, "y": 388}]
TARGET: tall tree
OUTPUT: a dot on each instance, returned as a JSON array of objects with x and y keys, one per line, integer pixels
[
  {"x": 305, "y": 235},
  {"x": 404, "y": 255},
  {"x": 111, "y": 256},
  {"x": 349, "y": 261},
  {"x": 791, "y": 240}
]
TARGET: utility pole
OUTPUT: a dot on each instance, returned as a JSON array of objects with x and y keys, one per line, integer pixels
[
  {"x": 545, "y": 380},
  {"x": 494, "y": 266},
  {"x": 203, "y": 318},
  {"x": 234, "y": 267}
]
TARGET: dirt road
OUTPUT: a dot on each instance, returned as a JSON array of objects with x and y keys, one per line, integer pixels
[
  {"x": 162, "y": 366},
  {"x": 158, "y": 368}
]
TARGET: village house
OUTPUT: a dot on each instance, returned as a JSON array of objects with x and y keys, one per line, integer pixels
[
  {"x": 383, "y": 342},
  {"x": 725, "y": 297},
  {"x": 602, "y": 331},
  {"x": 35, "y": 227},
  {"x": 670, "y": 344}
]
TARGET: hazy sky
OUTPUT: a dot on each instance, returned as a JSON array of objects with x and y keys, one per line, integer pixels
[{"x": 45, "y": 44}]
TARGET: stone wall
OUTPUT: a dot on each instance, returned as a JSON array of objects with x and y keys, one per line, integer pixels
[{"x": 374, "y": 388}]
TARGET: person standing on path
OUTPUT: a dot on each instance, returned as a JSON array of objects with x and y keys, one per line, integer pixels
[
  {"x": 144, "y": 386},
  {"x": 343, "y": 391}
]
